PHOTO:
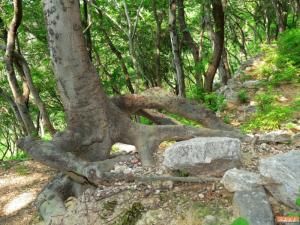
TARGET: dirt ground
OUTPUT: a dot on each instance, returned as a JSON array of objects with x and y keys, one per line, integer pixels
[{"x": 20, "y": 182}]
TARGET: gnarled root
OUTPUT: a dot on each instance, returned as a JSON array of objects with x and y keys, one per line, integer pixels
[{"x": 50, "y": 201}]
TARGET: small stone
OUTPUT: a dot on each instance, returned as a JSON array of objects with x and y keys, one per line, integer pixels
[
  {"x": 209, "y": 220},
  {"x": 201, "y": 196},
  {"x": 296, "y": 140}
]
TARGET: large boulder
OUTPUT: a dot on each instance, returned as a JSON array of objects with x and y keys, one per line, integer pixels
[
  {"x": 204, "y": 156},
  {"x": 283, "y": 171},
  {"x": 253, "y": 205},
  {"x": 277, "y": 136},
  {"x": 241, "y": 180}
]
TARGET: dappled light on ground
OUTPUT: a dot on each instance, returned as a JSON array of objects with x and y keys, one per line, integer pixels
[
  {"x": 19, "y": 202},
  {"x": 20, "y": 182}
]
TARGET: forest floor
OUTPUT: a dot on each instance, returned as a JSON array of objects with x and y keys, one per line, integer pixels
[
  {"x": 20, "y": 182},
  {"x": 182, "y": 203}
]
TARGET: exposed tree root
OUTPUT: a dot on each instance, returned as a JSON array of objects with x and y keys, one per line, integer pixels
[
  {"x": 199, "y": 179},
  {"x": 157, "y": 98},
  {"x": 50, "y": 201}
]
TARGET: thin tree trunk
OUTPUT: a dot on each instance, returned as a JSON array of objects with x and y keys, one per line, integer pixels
[
  {"x": 175, "y": 49},
  {"x": 218, "y": 15},
  {"x": 281, "y": 10},
  {"x": 158, "y": 19},
  {"x": 87, "y": 32},
  {"x": 119, "y": 56},
  {"x": 11, "y": 76},
  {"x": 190, "y": 43},
  {"x": 224, "y": 69}
]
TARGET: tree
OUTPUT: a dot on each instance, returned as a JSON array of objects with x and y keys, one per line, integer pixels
[
  {"x": 95, "y": 122},
  {"x": 218, "y": 15}
]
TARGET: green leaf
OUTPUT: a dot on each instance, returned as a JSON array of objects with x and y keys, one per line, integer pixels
[
  {"x": 240, "y": 221},
  {"x": 298, "y": 201}
]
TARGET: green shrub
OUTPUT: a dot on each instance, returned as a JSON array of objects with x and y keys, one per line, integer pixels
[
  {"x": 265, "y": 101},
  {"x": 240, "y": 221},
  {"x": 243, "y": 96},
  {"x": 268, "y": 120},
  {"x": 282, "y": 61},
  {"x": 289, "y": 47},
  {"x": 213, "y": 101}
]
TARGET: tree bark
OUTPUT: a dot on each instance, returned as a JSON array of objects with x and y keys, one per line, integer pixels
[
  {"x": 11, "y": 76},
  {"x": 224, "y": 69},
  {"x": 218, "y": 15},
  {"x": 189, "y": 41},
  {"x": 175, "y": 49},
  {"x": 158, "y": 19},
  {"x": 281, "y": 10}
]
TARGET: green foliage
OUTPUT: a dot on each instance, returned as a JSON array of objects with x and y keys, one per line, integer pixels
[
  {"x": 226, "y": 119},
  {"x": 132, "y": 215},
  {"x": 213, "y": 101},
  {"x": 298, "y": 201},
  {"x": 265, "y": 101},
  {"x": 240, "y": 221},
  {"x": 19, "y": 156},
  {"x": 22, "y": 170},
  {"x": 183, "y": 120},
  {"x": 289, "y": 47},
  {"x": 243, "y": 96},
  {"x": 144, "y": 120},
  {"x": 270, "y": 114},
  {"x": 282, "y": 61}
]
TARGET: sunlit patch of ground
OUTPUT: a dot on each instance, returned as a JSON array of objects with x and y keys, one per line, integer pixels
[{"x": 20, "y": 182}]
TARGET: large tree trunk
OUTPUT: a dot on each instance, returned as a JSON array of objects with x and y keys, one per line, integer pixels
[
  {"x": 94, "y": 122},
  {"x": 218, "y": 15}
]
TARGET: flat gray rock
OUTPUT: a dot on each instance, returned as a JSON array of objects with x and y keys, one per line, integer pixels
[
  {"x": 284, "y": 171},
  {"x": 254, "y": 206},
  {"x": 296, "y": 140},
  {"x": 240, "y": 180},
  {"x": 251, "y": 84},
  {"x": 278, "y": 136},
  {"x": 204, "y": 156}
]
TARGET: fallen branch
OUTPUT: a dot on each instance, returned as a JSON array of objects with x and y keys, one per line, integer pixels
[{"x": 201, "y": 179}]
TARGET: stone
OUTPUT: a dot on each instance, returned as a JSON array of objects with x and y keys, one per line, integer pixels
[
  {"x": 250, "y": 84},
  {"x": 240, "y": 180},
  {"x": 278, "y": 136},
  {"x": 253, "y": 205},
  {"x": 296, "y": 140},
  {"x": 204, "y": 155},
  {"x": 283, "y": 171},
  {"x": 209, "y": 220},
  {"x": 120, "y": 147}
]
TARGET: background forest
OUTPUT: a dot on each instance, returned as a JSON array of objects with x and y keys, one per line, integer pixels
[{"x": 130, "y": 44}]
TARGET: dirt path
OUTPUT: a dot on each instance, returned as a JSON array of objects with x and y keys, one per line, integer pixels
[{"x": 20, "y": 182}]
